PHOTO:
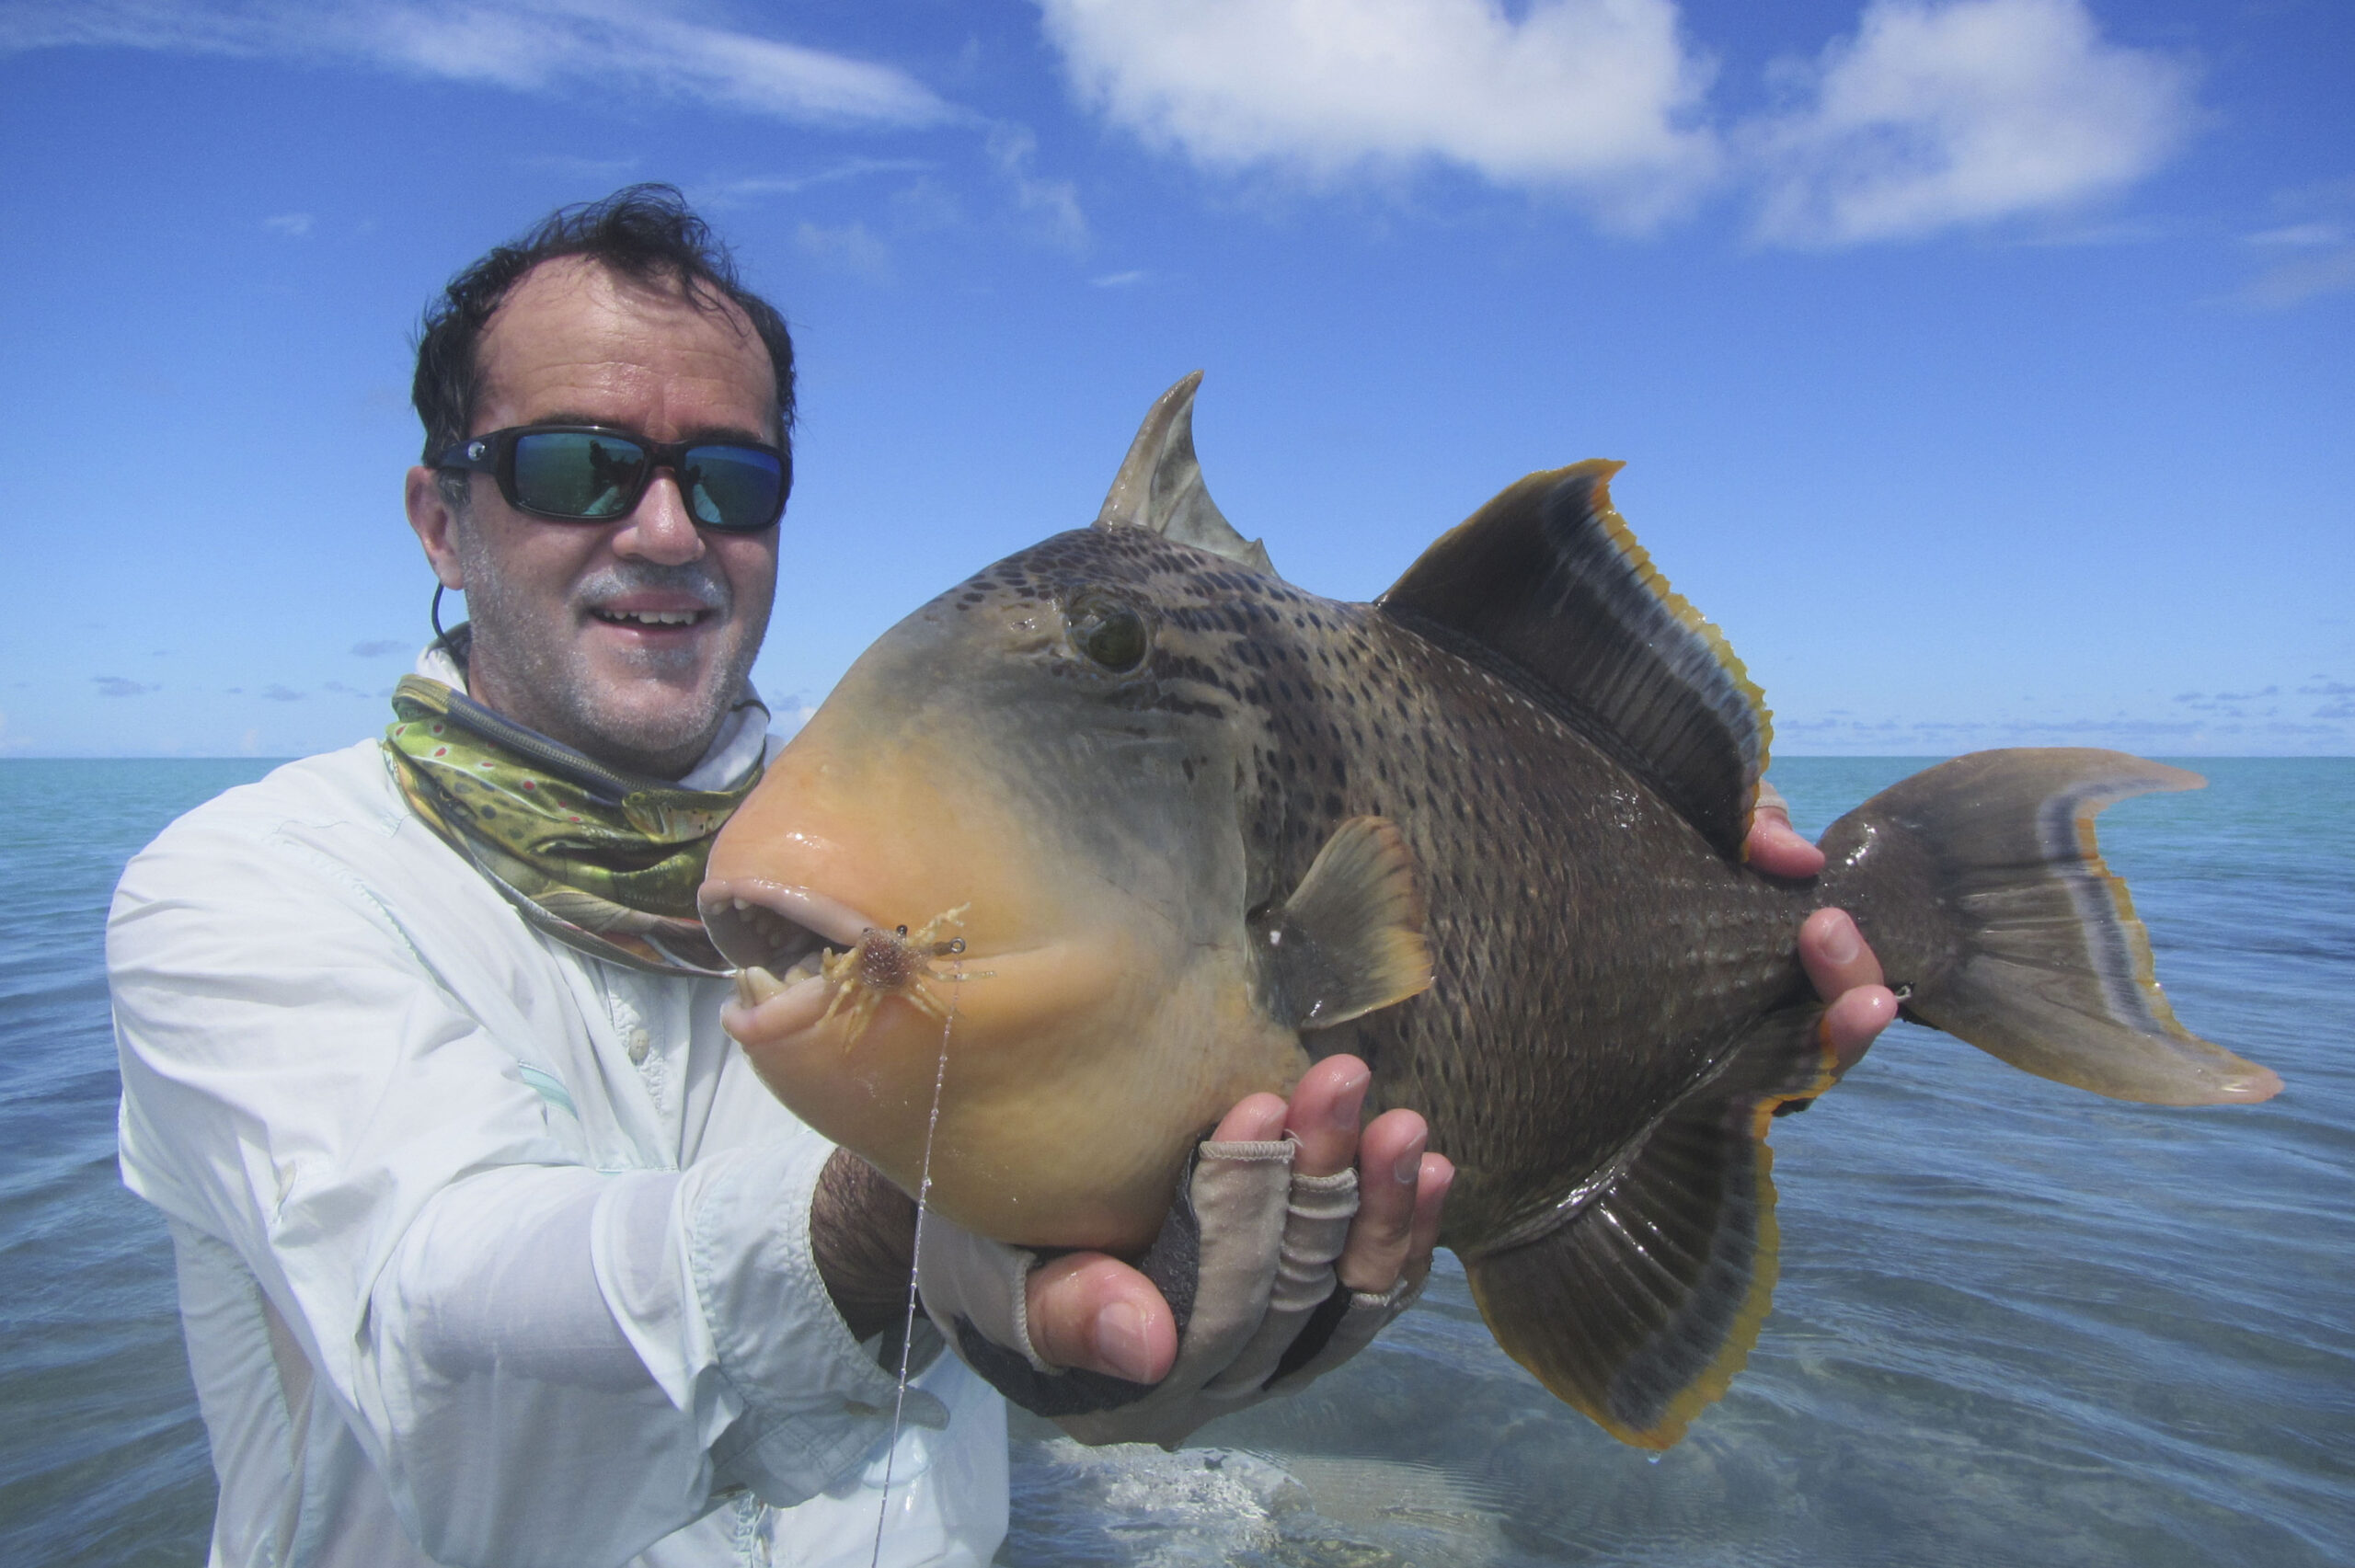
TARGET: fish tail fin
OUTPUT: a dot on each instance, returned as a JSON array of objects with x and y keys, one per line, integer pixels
[
  {"x": 1639, "y": 1297},
  {"x": 1981, "y": 888}
]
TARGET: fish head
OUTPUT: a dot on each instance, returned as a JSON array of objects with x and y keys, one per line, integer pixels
[{"x": 1028, "y": 804}]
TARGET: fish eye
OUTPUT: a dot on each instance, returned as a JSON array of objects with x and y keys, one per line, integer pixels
[{"x": 1107, "y": 631}]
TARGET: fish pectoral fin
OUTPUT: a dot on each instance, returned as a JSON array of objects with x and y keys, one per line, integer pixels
[
  {"x": 1642, "y": 1303},
  {"x": 1351, "y": 937}
]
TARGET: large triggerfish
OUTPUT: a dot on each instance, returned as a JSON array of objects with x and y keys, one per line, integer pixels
[{"x": 1161, "y": 829}]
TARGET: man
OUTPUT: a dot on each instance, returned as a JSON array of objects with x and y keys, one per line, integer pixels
[{"x": 491, "y": 1249}]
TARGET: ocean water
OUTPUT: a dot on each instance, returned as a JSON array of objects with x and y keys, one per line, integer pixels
[{"x": 2016, "y": 1323}]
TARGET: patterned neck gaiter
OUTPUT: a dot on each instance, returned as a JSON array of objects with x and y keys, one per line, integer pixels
[{"x": 602, "y": 861}]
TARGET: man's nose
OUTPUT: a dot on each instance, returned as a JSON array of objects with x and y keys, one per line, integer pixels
[{"x": 661, "y": 528}]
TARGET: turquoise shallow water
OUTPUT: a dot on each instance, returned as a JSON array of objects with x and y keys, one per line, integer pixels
[{"x": 2017, "y": 1325}]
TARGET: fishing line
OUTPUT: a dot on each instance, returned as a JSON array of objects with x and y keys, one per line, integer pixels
[{"x": 923, "y": 1192}]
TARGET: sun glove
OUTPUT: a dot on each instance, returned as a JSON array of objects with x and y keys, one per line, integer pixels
[{"x": 1245, "y": 1260}]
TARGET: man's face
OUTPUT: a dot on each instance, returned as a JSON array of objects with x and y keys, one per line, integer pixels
[{"x": 626, "y": 639}]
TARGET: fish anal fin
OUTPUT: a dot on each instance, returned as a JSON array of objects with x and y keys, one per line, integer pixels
[
  {"x": 1549, "y": 577},
  {"x": 1640, "y": 1306},
  {"x": 1351, "y": 937}
]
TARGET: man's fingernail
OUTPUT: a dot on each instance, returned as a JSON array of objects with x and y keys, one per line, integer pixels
[
  {"x": 1120, "y": 1342},
  {"x": 1349, "y": 1102},
  {"x": 1841, "y": 944},
  {"x": 1411, "y": 1164}
]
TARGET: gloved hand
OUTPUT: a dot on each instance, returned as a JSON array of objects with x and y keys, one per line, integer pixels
[
  {"x": 1244, "y": 1267},
  {"x": 1245, "y": 1261}
]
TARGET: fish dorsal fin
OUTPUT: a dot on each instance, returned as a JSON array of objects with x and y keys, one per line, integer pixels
[
  {"x": 1351, "y": 937},
  {"x": 1548, "y": 576},
  {"x": 1160, "y": 487}
]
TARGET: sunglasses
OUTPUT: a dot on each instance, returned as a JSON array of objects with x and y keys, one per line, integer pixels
[{"x": 591, "y": 474}]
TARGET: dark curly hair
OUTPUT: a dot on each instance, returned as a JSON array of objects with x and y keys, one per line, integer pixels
[{"x": 645, "y": 233}]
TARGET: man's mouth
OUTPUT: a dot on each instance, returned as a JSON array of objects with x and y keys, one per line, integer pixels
[{"x": 650, "y": 617}]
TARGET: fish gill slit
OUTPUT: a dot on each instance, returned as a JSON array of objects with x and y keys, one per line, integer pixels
[{"x": 954, "y": 953}]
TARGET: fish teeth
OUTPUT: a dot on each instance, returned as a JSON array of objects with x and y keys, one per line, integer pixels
[{"x": 755, "y": 985}]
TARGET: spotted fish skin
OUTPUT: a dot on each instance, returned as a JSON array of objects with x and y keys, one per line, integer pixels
[
  {"x": 1485, "y": 833},
  {"x": 1593, "y": 956}
]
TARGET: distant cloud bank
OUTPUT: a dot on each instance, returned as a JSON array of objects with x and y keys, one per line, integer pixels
[{"x": 2262, "y": 721}]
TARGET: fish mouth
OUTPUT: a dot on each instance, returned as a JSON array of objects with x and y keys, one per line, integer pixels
[{"x": 776, "y": 934}]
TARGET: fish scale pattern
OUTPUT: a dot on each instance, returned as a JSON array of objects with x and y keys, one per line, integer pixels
[{"x": 1595, "y": 958}]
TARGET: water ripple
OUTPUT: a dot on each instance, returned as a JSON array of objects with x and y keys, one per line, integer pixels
[{"x": 2016, "y": 1324}]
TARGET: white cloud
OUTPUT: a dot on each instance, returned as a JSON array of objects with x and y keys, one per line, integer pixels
[
  {"x": 2303, "y": 235},
  {"x": 851, "y": 248},
  {"x": 753, "y": 187},
  {"x": 1936, "y": 115},
  {"x": 1594, "y": 95},
  {"x": 588, "y": 171},
  {"x": 294, "y": 225},
  {"x": 526, "y": 45},
  {"x": 2314, "y": 256},
  {"x": 2294, "y": 282},
  {"x": 1053, "y": 204}
]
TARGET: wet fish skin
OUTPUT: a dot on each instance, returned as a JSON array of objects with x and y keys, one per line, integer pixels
[
  {"x": 1593, "y": 954},
  {"x": 1137, "y": 759}
]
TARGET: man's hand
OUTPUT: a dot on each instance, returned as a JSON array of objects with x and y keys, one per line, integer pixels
[
  {"x": 1844, "y": 971},
  {"x": 1093, "y": 1312},
  {"x": 863, "y": 1235}
]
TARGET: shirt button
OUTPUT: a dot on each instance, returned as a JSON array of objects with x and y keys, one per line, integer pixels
[{"x": 637, "y": 1041}]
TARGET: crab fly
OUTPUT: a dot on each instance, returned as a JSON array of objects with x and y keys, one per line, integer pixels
[{"x": 891, "y": 963}]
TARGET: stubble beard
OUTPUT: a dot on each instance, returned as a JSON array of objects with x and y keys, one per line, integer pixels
[{"x": 545, "y": 681}]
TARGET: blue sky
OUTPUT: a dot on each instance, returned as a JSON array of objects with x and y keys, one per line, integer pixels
[{"x": 1986, "y": 368}]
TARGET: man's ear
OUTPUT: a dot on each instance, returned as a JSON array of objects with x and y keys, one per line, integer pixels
[{"x": 436, "y": 522}]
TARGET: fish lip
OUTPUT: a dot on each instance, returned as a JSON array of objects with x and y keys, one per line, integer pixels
[
  {"x": 777, "y": 925},
  {"x": 780, "y": 1014}
]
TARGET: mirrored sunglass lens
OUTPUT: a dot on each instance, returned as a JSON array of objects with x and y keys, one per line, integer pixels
[
  {"x": 575, "y": 475},
  {"x": 732, "y": 487}
]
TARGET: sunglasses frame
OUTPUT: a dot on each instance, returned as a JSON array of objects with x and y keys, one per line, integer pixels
[{"x": 493, "y": 453}]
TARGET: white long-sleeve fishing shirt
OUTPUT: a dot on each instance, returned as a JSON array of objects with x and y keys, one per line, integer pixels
[{"x": 490, "y": 1252}]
